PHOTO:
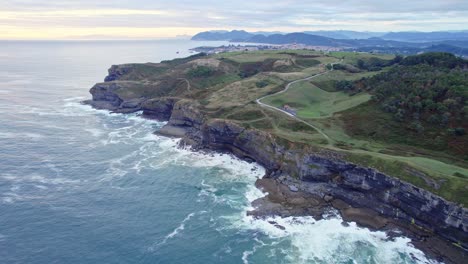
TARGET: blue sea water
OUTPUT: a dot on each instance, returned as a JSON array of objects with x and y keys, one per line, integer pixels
[{"x": 79, "y": 185}]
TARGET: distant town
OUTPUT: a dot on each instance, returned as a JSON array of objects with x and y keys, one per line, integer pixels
[{"x": 238, "y": 47}]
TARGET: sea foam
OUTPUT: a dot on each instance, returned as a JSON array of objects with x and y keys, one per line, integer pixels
[{"x": 307, "y": 240}]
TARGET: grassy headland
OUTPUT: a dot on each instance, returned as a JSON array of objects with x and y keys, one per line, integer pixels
[{"x": 358, "y": 105}]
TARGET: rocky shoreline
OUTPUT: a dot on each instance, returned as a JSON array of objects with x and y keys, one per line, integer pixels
[
  {"x": 308, "y": 181},
  {"x": 285, "y": 200}
]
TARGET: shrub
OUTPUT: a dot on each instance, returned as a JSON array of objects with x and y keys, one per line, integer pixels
[
  {"x": 459, "y": 131},
  {"x": 200, "y": 71},
  {"x": 262, "y": 83}
]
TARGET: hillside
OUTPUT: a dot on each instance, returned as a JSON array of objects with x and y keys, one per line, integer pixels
[
  {"x": 426, "y": 97},
  {"x": 421, "y": 98},
  {"x": 336, "y": 124}
]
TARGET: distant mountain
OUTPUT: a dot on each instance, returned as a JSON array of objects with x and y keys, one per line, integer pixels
[
  {"x": 242, "y": 35},
  {"x": 299, "y": 38},
  {"x": 395, "y": 42},
  {"x": 223, "y": 35},
  {"x": 426, "y": 36},
  {"x": 345, "y": 34},
  {"x": 408, "y": 50},
  {"x": 437, "y": 36},
  {"x": 233, "y": 35},
  {"x": 314, "y": 40}
]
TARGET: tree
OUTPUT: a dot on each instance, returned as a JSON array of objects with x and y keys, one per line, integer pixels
[{"x": 416, "y": 126}]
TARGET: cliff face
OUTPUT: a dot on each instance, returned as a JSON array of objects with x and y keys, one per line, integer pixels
[
  {"x": 358, "y": 186},
  {"x": 305, "y": 169},
  {"x": 159, "y": 108},
  {"x": 116, "y": 96}
]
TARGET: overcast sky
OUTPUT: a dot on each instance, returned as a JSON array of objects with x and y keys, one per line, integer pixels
[{"x": 75, "y": 19}]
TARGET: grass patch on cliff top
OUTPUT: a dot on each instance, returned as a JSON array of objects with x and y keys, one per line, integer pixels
[
  {"x": 255, "y": 56},
  {"x": 246, "y": 57},
  {"x": 328, "y": 81},
  {"x": 242, "y": 92},
  {"x": 216, "y": 80},
  {"x": 142, "y": 71},
  {"x": 353, "y": 57},
  {"x": 313, "y": 102}
]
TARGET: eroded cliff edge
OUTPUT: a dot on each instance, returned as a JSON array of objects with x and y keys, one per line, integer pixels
[{"x": 317, "y": 171}]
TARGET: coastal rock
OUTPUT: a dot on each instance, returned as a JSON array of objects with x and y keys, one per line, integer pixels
[
  {"x": 105, "y": 97},
  {"x": 359, "y": 186},
  {"x": 118, "y": 96},
  {"x": 116, "y": 71},
  {"x": 186, "y": 113},
  {"x": 172, "y": 131},
  {"x": 159, "y": 108},
  {"x": 293, "y": 188},
  {"x": 315, "y": 172},
  {"x": 328, "y": 198}
]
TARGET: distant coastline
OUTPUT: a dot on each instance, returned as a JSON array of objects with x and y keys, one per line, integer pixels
[{"x": 404, "y": 43}]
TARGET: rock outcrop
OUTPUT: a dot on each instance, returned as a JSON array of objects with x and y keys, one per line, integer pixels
[
  {"x": 159, "y": 108},
  {"x": 325, "y": 174},
  {"x": 116, "y": 96},
  {"x": 316, "y": 171}
]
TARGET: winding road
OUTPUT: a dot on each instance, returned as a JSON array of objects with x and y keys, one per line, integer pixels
[{"x": 259, "y": 101}]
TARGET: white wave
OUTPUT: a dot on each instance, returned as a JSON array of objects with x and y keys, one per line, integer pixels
[
  {"x": 210, "y": 187},
  {"x": 95, "y": 132},
  {"x": 179, "y": 228},
  {"x": 74, "y": 99},
  {"x": 12, "y": 197},
  {"x": 235, "y": 169},
  {"x": 20, "y": 186},
  {"x": 176, "y": 231},
  {"x": 39, "y": 179},
  {"x": 329, "y": 241},
  {"x": 8, "y": 200},
  {"x": 207, "y": 190},
  {"x": 247, "y": 253},
  {"x": 69, "y": 109},
  {"x": 21, "y": 135}
]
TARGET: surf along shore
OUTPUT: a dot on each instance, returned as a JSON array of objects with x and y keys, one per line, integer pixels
[{"x": 299, "y": 180}]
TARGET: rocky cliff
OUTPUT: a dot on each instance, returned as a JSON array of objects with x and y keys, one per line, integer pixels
[
  {"x": 358, "y": 186},
  {"x": 318, "y": 171}
]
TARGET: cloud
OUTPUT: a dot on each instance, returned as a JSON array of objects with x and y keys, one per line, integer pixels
[{"x": 187, "y": 16}]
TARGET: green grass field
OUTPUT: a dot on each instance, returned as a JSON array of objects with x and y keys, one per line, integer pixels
[
  {"x": 327, "y": 81},
  {"x": 244, "y": 57},
  {"x": 313, "y": 102},
  {"x": 353, "y": 57}
]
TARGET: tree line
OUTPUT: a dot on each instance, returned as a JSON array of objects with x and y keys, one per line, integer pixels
[{"x": 424, "y": 90}]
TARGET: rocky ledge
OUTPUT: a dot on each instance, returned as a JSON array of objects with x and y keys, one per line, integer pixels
[{"x": 317, "y": 178}]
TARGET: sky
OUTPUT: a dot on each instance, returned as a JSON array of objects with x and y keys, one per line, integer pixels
[{"x": 151, "y": 19}]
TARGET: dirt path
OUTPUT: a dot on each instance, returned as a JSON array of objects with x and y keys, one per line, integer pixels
[
  {"x": 187, "y": 81},
  {"x": 291, "y": 115}
]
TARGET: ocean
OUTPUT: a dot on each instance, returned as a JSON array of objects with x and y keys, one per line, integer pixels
[{"x": 79, "y": 185}]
